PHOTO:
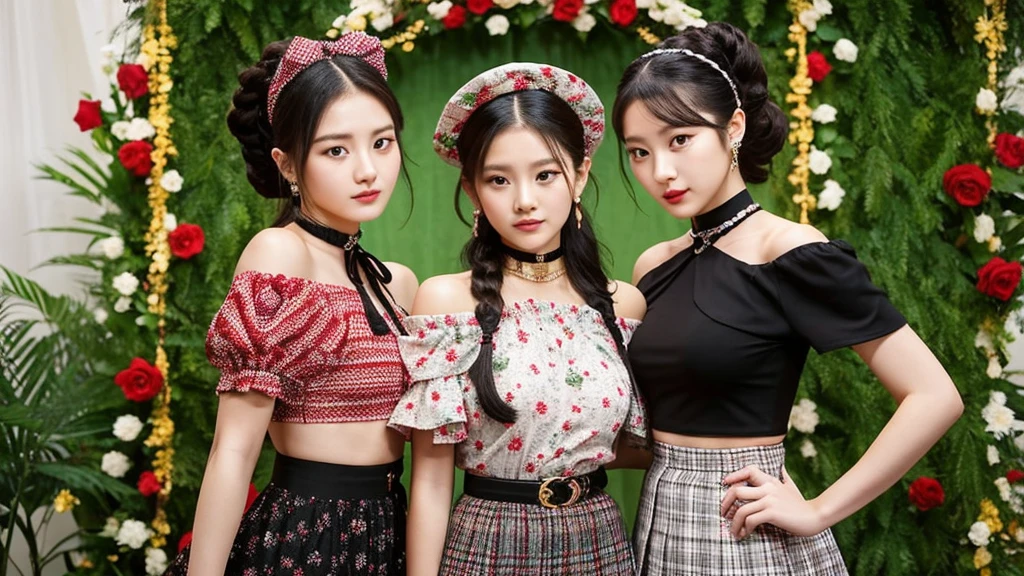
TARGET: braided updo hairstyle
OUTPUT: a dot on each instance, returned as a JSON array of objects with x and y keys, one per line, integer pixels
[
  {"x": 681, "y": 90},
  {"x": 300, "y": 106},
  {"x": 554, "y": 121}
]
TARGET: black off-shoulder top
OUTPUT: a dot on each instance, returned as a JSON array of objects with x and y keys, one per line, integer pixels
[{"x": 724, "y": 342}]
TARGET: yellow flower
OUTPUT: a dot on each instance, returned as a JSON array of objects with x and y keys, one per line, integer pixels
[
  {"x": 985, "y": 572},
  {"x": 112, "y": 558},
  {"x": 65, "y": 501},
  {"x": 357, "y": 23},
  {"x": 332, "y": 33},
  {"x": 982, "y": 558},
  {"x": 408, "y": 46}
]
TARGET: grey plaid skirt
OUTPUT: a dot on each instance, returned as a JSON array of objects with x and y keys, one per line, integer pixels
[
  {"x": 489, "y": 538},
  {"x": 680, "y": 529}
]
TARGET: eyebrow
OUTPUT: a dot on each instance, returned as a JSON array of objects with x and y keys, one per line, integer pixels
[
  {"x": 388, "y": 128},
  {"x": 506, "y": 167}
]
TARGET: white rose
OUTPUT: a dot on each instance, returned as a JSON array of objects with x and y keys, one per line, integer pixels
[
  {"x": 986, "y": 100},
  {"x": 100, "y": 315},
  {"x": 123, "y": 304},
  {"x": 804, "y": 416},
  {"x": 171, "y": 181},
  {"x": 112, "y": 247},
  {"x": 115, "y": 464},
  {"x": 1005, "y": 492},
  {"x": 824, "y": 114},
  {"x": 383, "y": 22},
  {"x": 979, "y": 534},
  {"x": 110, "y": 528},
  {"x": 807, "y": 449},
  {"x": 823, "y": 7},
  {"x": 809, "y": 19},
  {"x": 339, "y": 22},
  {"x": 984, "y": 228},
  {"x": 584, "y": 22},
  {"x": 439, "y": 9},
  {"x": 997, "y": 397},
  {"x": 126, "y": 284},
  {"x": 845, "y": 50},
  {"x": 995, "y": 369},
  {"x": 156, "y": 561},
  {"x": 505, "y": 4},
  {"x": 992, "y": 453},
  {"x": 831, "y": 196},
  {"x": 497, "y": 25},
  {"x": 170, "y": 222},
  {"x": 140, "y": 129},
  {"x": 819, "y": 161},
  {"x": 132, "y": 534},
  {"x": 119, "y": 129},
  {"x": 127, "y": 427}
]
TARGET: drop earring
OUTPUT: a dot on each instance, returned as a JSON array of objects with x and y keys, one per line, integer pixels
[
  {"x": 476, "y": 223},
  {"x": 296, "y": 199},
  {"x": 735, "y": 155},
  {"x": 579, "y": 213}
]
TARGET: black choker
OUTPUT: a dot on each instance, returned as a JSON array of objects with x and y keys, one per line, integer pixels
[
  {"x": 707, "y": 228},
  {"x": 532, "y": 258},
  {"x": 377, "y": 275}
]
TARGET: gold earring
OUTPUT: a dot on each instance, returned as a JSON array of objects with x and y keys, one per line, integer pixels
[
  {"x": 735, "y": 155},
  {"x": 579, "y": 214},
  {"x": 296, "y": 199},
  {"x": 476, "y": 223}
]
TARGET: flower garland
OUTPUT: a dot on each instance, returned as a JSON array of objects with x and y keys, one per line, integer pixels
[
  {"x": 498, "y": 16},
  {"x": 157, "y": 51},
  {"x": 810, "y": 68}
]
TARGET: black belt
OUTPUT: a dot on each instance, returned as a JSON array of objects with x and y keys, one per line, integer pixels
[
  {"x": 336, "y": 481},
  {"x": 556, "y": 492}
]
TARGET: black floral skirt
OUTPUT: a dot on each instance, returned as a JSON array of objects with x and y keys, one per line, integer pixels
[{"x": 317, "y": 518}]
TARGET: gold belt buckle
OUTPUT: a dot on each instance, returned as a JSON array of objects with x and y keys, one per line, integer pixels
[
  {"x": 391, "y": 476},
  {"x": 545, "y": 492}
]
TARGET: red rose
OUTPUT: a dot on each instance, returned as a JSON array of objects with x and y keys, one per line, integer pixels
[
  {"x": 622, "y": 12},
  {"x": 251, "y": 496},
  {"x": 88, "y": 115},
  {"x": 133, "y": 80},
  {"x": 140, "y": 381},
  {"x": 186, "y": 539},
  {"x": 817, "y": 66},
  {"x": 186, "y": 241},
  {"x": 999, "y": 278},
  {"x": 968, "y": 184},
  {"x": 148, "y": 484},
  {"x": 455, "y": 19},
  {"x": 1014, "y": 476},
  {"x": 926, "y": 493},
  {"x": 135, "y": 157},
  {"x": 1010, "y": 150},
  {"x": 479, "y": 7},
  {"x": 567, "y": 10}
]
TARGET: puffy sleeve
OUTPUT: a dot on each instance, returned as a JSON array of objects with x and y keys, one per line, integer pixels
[
  {"x": 827, "y": 296},
  {"x": 437, "y": 352},
  {"x": 249, "y": 337},
  {"x": 636, "y": 418}
]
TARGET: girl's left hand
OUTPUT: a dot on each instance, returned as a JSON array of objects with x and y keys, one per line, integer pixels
[{"x": 760, "y": 498}]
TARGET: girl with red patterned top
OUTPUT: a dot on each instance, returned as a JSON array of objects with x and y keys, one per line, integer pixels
[
  {"x": 306, "y": 338},
  {"x": 518, "y": 366}
]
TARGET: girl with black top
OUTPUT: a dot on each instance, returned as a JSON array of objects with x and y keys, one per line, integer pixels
[{"x": 733, "y": 307}]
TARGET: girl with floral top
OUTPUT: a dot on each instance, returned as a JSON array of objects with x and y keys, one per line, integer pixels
[
  {"x": 518, "y": 368},
  {"x": 306, "y": 352}
]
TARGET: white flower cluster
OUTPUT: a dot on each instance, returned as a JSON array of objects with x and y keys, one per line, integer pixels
[
  {"x": 979, "y": 534},
  {"x": 804, "y": 416},
  {"x": 136, "y": 129},
  {"x": 831, "y": 196},
  {"x": 379, "y": 13},
  {"x": 156, "y": 561},
  {"x": 115, "y": 464},
  {"x": 133, "y": 534},
  {"x": 673, "y": 13},
  {"x": 819, "y": 162},
  {"x": 984, "y": 228},
  {"x": 1000, "y": 418},
  {"x": 125, "y": 283},
  {"x": 809, "y": 17},
  {"x": 1013, "y": 89},
  {"x": 112, "y": 247},
  {"x": 1012, "y": 495},
  {"x": 127, "y": 427}
]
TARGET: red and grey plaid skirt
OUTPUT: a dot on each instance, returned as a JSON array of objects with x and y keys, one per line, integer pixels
[{"x": 680, "y": 529}]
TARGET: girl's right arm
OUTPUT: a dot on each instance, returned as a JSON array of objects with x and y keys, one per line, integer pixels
[
  {"x": 242, "y": 420},
  {"x": 433, "y": 479}
]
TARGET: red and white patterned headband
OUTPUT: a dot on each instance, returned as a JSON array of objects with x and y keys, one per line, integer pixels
[{"x": 303, "y": 53}]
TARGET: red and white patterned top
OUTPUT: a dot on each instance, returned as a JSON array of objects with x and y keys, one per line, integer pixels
[
  {"x": 556, "y": 364},
  {"x": 308, "y": 345}
]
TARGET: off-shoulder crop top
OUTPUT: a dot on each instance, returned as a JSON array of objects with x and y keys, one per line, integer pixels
[
  {"x": 308, "y": 345},
  {"x": 723, "y": 345}
]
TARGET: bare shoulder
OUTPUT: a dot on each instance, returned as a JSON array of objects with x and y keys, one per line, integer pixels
[
  {"x": 403, "y": 283},
  {"x": 629, "y": 302},
  {"x": 654, "y": 257},
  {"x": 786, "y": 235},
  {"x": 445, "y": 294},
  {"x": 276, "y": 251}
]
